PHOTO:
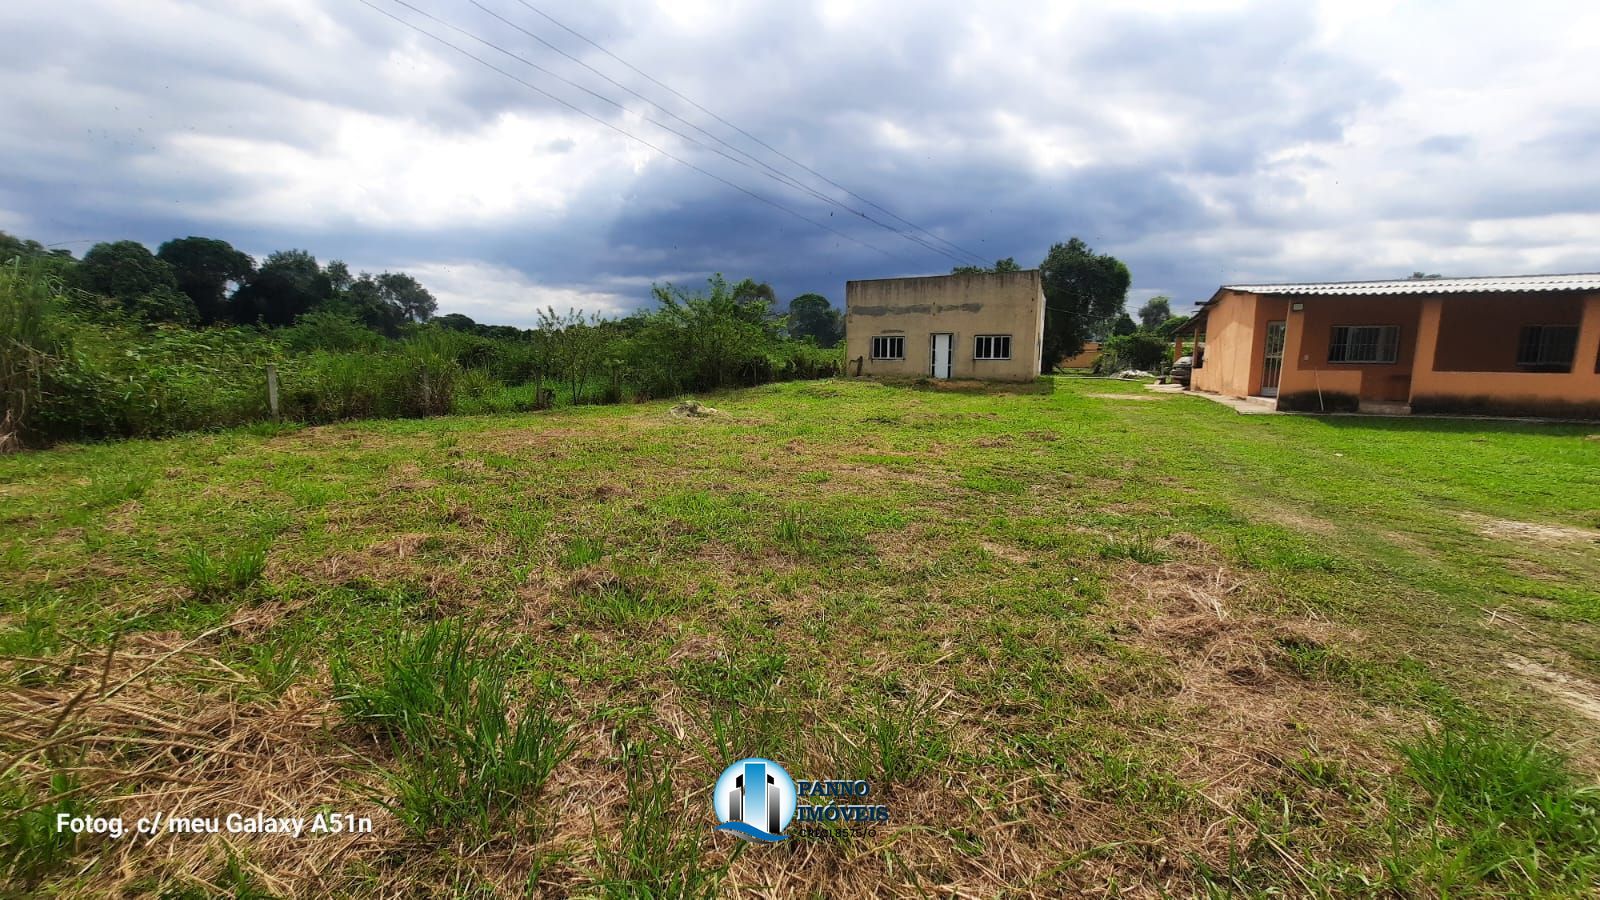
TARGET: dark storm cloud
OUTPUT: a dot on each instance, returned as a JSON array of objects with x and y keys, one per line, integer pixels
[{"x": 1196, "y": 145}]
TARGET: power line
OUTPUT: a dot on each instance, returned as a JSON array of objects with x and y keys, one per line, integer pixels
[
  {"x": 780, "y": 153},
  {"x": 781, "y": 179},
  {"x": 785, "y": 177},
  {"x": 538, "y": 90}
]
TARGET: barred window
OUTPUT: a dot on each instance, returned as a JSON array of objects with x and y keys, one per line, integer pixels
[
  {"x": 992, "y": 346},
  {"x": 1364, "y": 344},
  {"x": 1548, "y": 348},
  {"x": 888, "y": 347}
]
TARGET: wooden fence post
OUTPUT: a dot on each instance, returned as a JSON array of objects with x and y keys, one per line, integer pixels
[{"x": 272, "y": 390}]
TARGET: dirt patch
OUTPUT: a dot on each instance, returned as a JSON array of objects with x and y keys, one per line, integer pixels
[
  {"x": 1001, "y": 551},
  {"x": 1238, "y": 699},
  {"x": 1577, "y": 694},
  {"x": 1511, "y": 530}
]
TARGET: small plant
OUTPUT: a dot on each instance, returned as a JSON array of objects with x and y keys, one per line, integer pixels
[
  {"x": 202, "y": 573},
  {"x": 1139, "y": 547},
  {"x": 620, "y": 606},
  {"x": 655, "y": 855},
  {"x": 207, "y": 576},
  {"x": 581, "y": 552},
  {"x": 894, "y": 741},
  {"x": 244, "y": 566},
  {"x": 792, "y": 530},
  {"x": 275, "y": 667},
  {"x": 30, "y": 844}
]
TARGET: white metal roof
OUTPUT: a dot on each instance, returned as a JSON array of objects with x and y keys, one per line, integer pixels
[{"x": 1576, "y": 282}]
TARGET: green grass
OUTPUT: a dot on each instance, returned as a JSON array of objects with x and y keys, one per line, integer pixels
[
  {"x": 472, "y": 753},
  {"x": 1079, "y": 644}
]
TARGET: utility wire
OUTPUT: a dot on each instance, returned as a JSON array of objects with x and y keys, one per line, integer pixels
[
  {"x": 780, "y": 176},
  {"x": 779, "y": 173},
  {"x": 680, "y": 96},
  {"x": 541, "y": 91}
]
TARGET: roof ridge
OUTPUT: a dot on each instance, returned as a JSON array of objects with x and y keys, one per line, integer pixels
[{"x": 1409, "y": 280}]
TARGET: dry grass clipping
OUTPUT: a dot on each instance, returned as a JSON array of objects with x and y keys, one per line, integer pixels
[{"x": 158, "y": 725}]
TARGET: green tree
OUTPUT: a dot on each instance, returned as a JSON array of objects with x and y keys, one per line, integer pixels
[
  {"x": 288, "y": 285},
  {"x": 456, "y": 322},
  {"x": 204, "y": 267},
  {"x": 12, "y": 247},
  {"x": 1009, "y": 264},
  {"x": 129, "y": 273},
  {"x": 1155, "y": 311},
  {"x": 1084, "y": 292},
  {"x": 408, "y": 294},
  {"x": 812, "y": 316}
]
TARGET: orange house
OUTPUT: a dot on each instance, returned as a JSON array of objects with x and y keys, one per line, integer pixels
[{"x": 1526, "y": 345}]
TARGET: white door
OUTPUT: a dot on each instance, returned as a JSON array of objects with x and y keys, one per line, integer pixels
[{"x": 941, "y": 355}]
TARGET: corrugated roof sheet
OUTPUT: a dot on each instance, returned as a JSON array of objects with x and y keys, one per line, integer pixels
[{"x": 1583, "y": 281}]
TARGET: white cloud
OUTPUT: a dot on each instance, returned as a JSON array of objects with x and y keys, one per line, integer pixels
[
  {"x": 500, "y": 295},
  {"x": 1200, "y": 141}
]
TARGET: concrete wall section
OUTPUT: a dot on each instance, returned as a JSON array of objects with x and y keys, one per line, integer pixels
[{"x": 964, "y": 306}]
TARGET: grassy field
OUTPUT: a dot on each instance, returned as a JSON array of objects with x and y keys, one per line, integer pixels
[{"x": 1079, "y": 637}]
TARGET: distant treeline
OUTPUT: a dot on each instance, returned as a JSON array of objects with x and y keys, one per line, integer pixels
[{"x": 127, "y": 343}]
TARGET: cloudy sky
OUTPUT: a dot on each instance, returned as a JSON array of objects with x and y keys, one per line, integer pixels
[{"x": 1201, "y": 142}]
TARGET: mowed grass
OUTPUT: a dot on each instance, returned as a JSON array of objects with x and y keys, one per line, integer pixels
[{"x": 1079, "y": 640}]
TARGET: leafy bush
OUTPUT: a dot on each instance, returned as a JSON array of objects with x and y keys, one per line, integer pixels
[{"x": 1143, "y": 350}]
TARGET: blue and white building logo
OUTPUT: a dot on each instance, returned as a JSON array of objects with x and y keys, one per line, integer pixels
[{"x": 755, "y": 799}]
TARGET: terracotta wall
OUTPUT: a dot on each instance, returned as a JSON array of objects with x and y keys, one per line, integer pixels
[
  {"x": 1536, "y": 393},
  {"x": 1481, "y": 333},
  {"x": 1083, "y": 359},
  {"x": 1230, "y": 340},
  {"x": 1311, "y": 330}
]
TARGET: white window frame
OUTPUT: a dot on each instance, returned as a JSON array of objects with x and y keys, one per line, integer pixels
[
  {"x": 1545, "y": 346},
  {"x": 888, "y": 344},
  {"x": 986, "y": 343},
  {"x": 1385, "y": 345}
]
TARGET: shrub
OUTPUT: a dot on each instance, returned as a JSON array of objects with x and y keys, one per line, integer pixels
[{"x": 1141, "y": 350}]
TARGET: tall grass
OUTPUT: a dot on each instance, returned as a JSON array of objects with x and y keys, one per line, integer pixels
[{"x": 27, "y": 343}]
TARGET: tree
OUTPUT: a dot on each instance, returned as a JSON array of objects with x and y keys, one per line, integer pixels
[
  {"x": 1123, "y": 325},
  {"x": 12, "y": 247},
  {"x": 812, "y": 316},
  {"x": 1009, "y": 264},
  {"x": 1170, "y": 326},
  {"x": 1420, "y": 275},
  {"x": 408, "y": 294},
  {"x": 1083, "y": 292},
  {"x": 129, "y": 273},
  {"x": 456, "y": 322},
  {"x": 288, "y": 285},
  {"x": 1155, "y": 311},
  {"x": 204, "y": 267},
  {"x": 339, "y": 277}
]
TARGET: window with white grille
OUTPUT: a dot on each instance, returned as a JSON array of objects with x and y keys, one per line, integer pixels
[
  {"x": 888, "y": 347},
  {"x": 1364, "y": 344},
  {"x": 992, "y": 346}
]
